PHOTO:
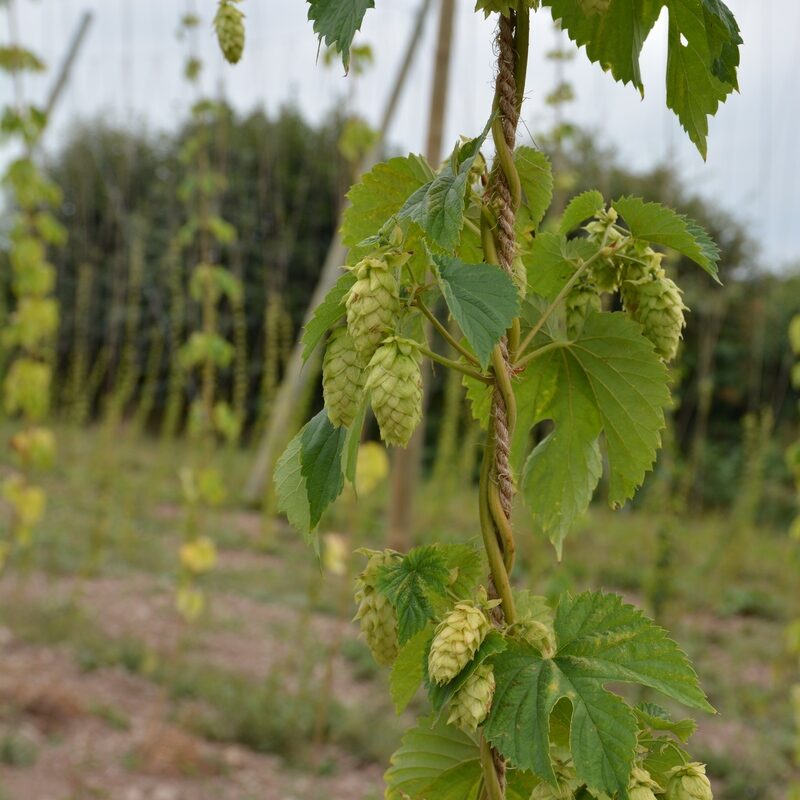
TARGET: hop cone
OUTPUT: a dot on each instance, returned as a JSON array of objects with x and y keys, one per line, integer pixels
[
  {"x": 642, "y": 786},
  {"x": 395, "y": 384},
  {"x": 606, "y": 271},
  {"x": 342, "y": 378},
  {"x": 375, "y": 613},
  {"x": 471, "y": 703},
  {"x": 229, "y": 24},
  {"x": 688, "y": 782},
  {"x": 457, "y": 638},
  {"x": 566, "y": 778},
  {"x": 655, "y": 302},
  {"x": 580, "y": 302},
  {"x": 372, "y": 304}
]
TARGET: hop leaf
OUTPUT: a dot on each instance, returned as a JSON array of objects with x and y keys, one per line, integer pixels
[
  {"x": 471, "y": 704},
  {"x": 456, "y": 640},
  {"x": 395, "y": 385},
  {"x": 229, "y": 25},
  {"x": 372, "y": 304},
  {"x": 342, "y": 378}
]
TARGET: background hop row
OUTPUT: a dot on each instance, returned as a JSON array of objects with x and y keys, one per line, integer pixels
[
  {"x": 375, "y": 613},
  {"x": 456, "y": 640},
  {"x": 394, "y": 382}
]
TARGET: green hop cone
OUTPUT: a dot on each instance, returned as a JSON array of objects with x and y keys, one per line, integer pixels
[
  {"x": 606, "y": 271},
  {"x": 471, "y": 703},
  {"x": 642, "y": 786},
  {"x": 566, "y": 778},
  {"x": 655, "y": 302},
  {"x": 582, "y": 300},
  {"x": 394, "y": 381},
  {"x": 342, "y": 378},
  {"x": 375, "y": 613},
  {"x": 372, "y": 303},
  {"x": 456, "y": 640},
  {"x": 229, "y": 25},
  {"x": 688, "y": 782}
]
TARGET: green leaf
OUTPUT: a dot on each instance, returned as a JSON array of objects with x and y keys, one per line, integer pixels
[
  {"x": 327, "y": 313},
  {"x": 380, "y": 194},
  {"x": 702, "y": 55},
  {"x": 336, "y": 22},
  {"x": 409, "y": 583},
  {"x": 482, "y": 299},
  {"x": 599, "y": 639},
  {"x": 440, "y": 696},
  {"x": 579, "y": 209},
  {"x": 702, "y": 58},
  {"x": 552, "y": 260},
  {"x": 466, "y": 566},
  {"x": 613, "y": 39},
  {"x": 479, "y": 395},
  {"x": 657, "y": 224},
  {"x": 290, "y": 491},
  {"x": 438, "y": 206},
  {"x": 567, "y": 386},
  {"x": 408, "y": 670},
  {"x": 434, "y": 762},
  {"x": 536, "y": 177},
  {"x": 609, "y": 379},
  {"x": 657, "y": 719},
  {"x": 321, "y": 463}
]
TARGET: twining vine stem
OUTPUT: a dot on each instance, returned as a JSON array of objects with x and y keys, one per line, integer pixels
[{"x": 496, "y": 490}]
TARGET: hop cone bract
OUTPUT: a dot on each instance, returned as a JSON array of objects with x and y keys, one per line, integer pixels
[
  {"x": 457, "y": 638},
  {"x": 471, "y": 703},
  {"x": 394, "y": 381},
  {"x": 342, "y": 378},
  {"x": 375, "y": 613},
  {"x": 688, "y": 782},
  {"x": 566, "y": 778},
  {"x": 229, "y": 24},
  {"x": 642, "y": 786},
  {"x": 373, "y": 303}
]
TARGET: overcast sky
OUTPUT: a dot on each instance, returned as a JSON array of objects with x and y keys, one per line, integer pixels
[{"x": 130, "y": 71}]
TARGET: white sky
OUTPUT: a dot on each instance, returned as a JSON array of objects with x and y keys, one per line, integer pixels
[{"x": 130, "y": 70}]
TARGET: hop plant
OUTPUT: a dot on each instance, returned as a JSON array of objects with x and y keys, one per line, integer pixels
[
  {"x": 456, "y": 640},
  {"x": 372, "y": 304},
  {"x": 375, "y": 613},
  {"x": 27, "y": 388},
  {"x": 688, "y": 782},
  {"x": 471, "y": 703},
  {"x": 229, "y": 25},
  {"x": 394, "y": 381},
  {"x": 342, "y": 378},
  {"x": 582, "y": 300},
  {"x": 655, "y": 302},
  {"x": 642, "y": 786},
  {"x": 566, "y": 778}
]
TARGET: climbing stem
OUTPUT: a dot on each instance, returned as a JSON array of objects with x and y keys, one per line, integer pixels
[
  {"x": 443, "y": 332},
  {"x": 492, "y": 787},
  {"x": 456, "y": 365}
]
